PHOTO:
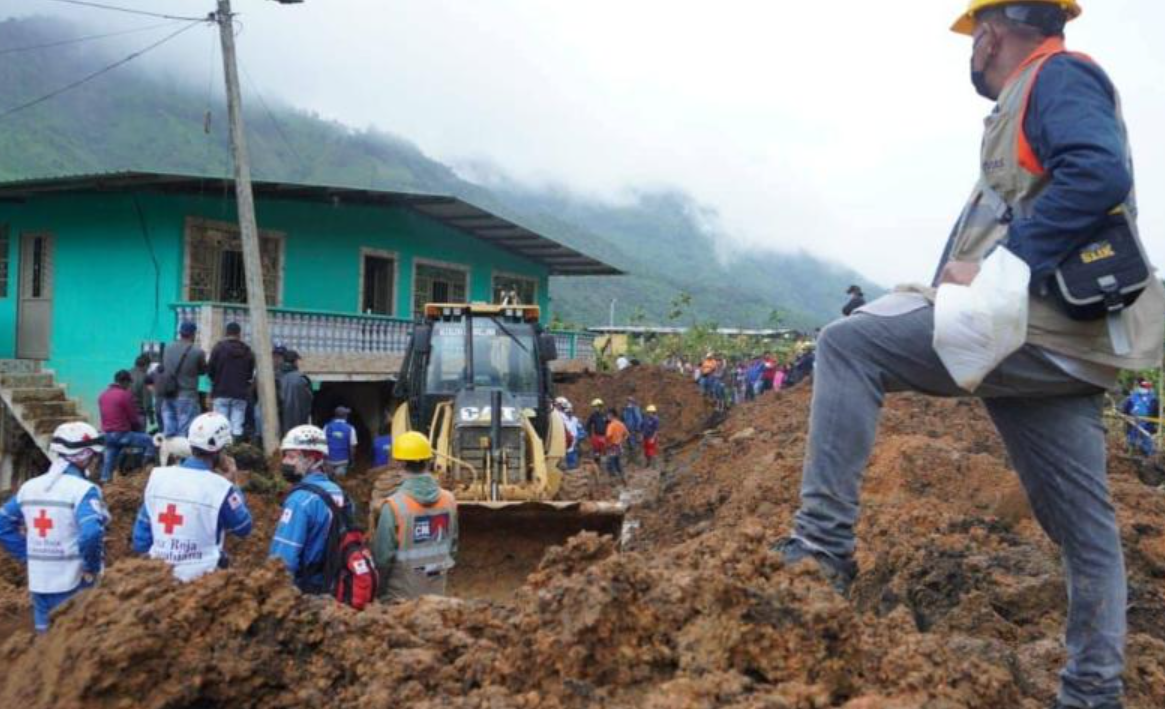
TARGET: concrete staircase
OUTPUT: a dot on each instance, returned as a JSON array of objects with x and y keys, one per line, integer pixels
[{"x": 35, "y": 401}]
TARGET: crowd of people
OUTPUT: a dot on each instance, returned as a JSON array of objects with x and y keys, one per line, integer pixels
[
  {"x": 57, "y": 522},
  {"x": 612, "y": 435},
  {"x": 728, "y": 381},
  {"x": 163, "y": 397}
]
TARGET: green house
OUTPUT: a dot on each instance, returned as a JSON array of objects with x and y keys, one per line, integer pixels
[{"x": 94, "y": 269}]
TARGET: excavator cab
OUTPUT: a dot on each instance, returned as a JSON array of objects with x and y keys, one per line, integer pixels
[{"x": 476, "y": 380}]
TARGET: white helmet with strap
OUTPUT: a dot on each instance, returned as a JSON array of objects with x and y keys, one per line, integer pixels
[
  {"x": 75, "y": 436},
  {"x": 210, "y": 432},
  {"x": 305, "y": 438}
]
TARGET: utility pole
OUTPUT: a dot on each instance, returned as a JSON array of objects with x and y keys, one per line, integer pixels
[{"x": 252, "y": 264}]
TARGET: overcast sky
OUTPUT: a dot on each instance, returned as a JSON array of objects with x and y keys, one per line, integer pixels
[{"x": 847, "y": 128}]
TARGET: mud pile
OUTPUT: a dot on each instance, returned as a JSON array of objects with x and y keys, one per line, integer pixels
[
  {"x": 960, "y": 601},
  {"x": 682, "y": 410}
]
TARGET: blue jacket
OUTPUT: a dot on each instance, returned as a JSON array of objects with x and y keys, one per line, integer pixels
[
  {"x": 301, "y": 538},
  {"x": 1142, "y": 404},
  {"x": 236, "y": 520},
  {"x": 650, "y": 426},
  {"x": 339, "y": 434},
  {"x": 90, "y": 523},
  {"x": 1073, "y": 129},
  {"x": 633, "y": 417}
]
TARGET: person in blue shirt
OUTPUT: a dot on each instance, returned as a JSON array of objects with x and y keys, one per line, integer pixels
[
  {"x": 301, "y": 537},
  {"x": 341, "y": 441},
  {"x": 56, "y": 522},
  {"x": 188, "y": 509},
  {"x": 1141, "y": 404},
  {"x": 633, "y": 420}
]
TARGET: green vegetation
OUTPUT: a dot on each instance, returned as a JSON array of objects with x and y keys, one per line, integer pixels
[{"x": 134, "y": 120}]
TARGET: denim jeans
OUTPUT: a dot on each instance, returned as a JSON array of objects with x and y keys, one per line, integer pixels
[
  {"x": 1051, "y": 426},
  {"x": 572, "y": 459},
  {"x": 236, "y": 412},
  {"x": 177, "y": 413},
  {"x": 43, "y": 605},
  {"x": 115, "y": 441}
]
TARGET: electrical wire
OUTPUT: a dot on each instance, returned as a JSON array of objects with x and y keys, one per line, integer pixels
[
  {"x": 76, "y": 40},
  {"x": 99, "y": 72},
  {"x": 129, "y": 10},
  {"x": 275, "y": 122}
]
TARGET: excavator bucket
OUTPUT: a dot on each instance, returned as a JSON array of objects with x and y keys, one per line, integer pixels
[{"x": 501, "y": 543}]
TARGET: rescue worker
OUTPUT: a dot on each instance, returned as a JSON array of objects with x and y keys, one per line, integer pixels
[
  {"x": 633, "y": 419},
  {"x": 617, "y": 438},
  {"x": 1141, "y": 404},
  {"x": 56, "y": 522},
  {"x": 416, "y": 535},
  {"x": 575, "y": 433},
  {"x": 190, "y": 508},
  {"x": 1054, "y": 164},
  {"x": 301, "y": 538},
  {"x": 342, "y": 441},
  {"x": 651, "y": 435},
  {"x": 597, "y": 429}
]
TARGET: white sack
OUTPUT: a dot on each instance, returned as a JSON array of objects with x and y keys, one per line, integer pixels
[{"x": 977, "y": 326}]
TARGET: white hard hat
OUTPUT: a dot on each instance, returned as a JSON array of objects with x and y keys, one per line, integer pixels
[
  {"x": 75, "y": 436},
  {"x": 562, "y": 402},
  {"x": 210, "y": 432},
  {"x": 305, "y": 438}
]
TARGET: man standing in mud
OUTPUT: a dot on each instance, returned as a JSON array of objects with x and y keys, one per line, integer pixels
[{"x": 1055, "y": 164}]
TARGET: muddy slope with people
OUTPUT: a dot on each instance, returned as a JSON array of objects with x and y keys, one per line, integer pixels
[{"x": 959, "y": 603}]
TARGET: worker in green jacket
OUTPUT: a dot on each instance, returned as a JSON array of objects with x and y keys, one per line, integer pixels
[{"x": 416, "y": 536}]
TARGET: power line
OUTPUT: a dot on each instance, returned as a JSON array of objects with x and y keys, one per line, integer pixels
[
  {"x": 99, "y": 72},
  {"x": 76, "y": 40},
  {"x": 129, "y": 10},
  {"x": 275, "y": 122}
]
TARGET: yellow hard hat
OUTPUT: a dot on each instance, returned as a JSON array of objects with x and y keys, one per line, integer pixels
[
  {"x": 966, "y": 22},
  {"x": 596, "y": 403},
  {"x": 651, "y": 409},
  {"x": 412, "y": 446}
]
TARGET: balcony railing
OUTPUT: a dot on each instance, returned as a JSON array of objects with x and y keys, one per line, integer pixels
[{"x": 323, "y": 332}]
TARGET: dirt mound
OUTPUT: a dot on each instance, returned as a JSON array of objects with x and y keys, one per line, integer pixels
[
  {"x": 959, "y": 603},
  {"x": 683, "y": 411}
]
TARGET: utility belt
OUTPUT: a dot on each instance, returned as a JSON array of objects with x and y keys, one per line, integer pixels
[{"x": 1101, "y": 277}]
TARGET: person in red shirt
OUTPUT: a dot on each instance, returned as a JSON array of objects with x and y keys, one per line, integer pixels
[{"x": 122, "y": 423}]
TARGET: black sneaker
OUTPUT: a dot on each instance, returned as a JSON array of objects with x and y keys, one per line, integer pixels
[{"x": 840, "y": 573}]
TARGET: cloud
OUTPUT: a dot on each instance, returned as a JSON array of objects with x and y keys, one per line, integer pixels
[{"x": 848, "y": 129}]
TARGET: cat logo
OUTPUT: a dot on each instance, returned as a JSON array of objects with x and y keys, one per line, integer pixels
[{"x": 1097, "y": 252}]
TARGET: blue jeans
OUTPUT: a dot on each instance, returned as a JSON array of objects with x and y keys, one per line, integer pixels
[
  {"x": 1140, "y": 439},
  {"x": 1051, "y": 426},
  {"x": 115, "y": 441},
  {"x": 572, "y": 459},
  {"x": 177, "y": 413},
  {"x": 43, "y": 605},
  {"x": 236, "y": 412}
]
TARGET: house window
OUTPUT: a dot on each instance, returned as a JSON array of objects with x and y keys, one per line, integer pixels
[
  {"x": 438, "y": 283},
  {"x": 506, "y": 284},
  {"x": 214, "y": 264},
  {"x": 377, "y": 282},
  {"x": 3, "y": 262}
]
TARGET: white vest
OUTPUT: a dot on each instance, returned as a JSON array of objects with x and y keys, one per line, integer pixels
[
  {"x": 184, "y": 505},
  {"x": 50, "y": 516}
]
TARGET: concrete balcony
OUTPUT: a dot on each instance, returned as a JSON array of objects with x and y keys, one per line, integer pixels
[{"x": 346, "y": 346}]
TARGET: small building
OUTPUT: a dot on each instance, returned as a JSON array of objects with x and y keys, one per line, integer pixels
[
  {"x": 95, "y": 269},
  {"x": 615, "y": 340}
]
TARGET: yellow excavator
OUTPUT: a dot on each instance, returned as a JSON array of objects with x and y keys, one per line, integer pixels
[{"x": 476, "y": 380}]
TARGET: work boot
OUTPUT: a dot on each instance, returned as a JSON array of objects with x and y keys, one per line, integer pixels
[
  {"x": 839, "y": 573},
  {"x": 1110, "y": 705}
]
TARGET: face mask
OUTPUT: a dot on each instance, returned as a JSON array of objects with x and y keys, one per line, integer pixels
[
  {"x": 290, "y": 472},
  {"x": 979, "y": 76}
]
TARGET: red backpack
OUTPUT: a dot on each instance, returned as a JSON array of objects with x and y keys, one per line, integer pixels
[{"x": 348, "y": 566}]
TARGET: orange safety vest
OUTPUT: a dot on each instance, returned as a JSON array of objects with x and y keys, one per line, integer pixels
[{"x": 424, "y": 545}]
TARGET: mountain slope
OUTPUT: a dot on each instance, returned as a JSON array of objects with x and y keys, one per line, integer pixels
[{"x": 134, "y": 119}]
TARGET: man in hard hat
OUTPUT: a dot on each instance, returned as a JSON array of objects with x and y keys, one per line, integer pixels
[
  {"x": 1054, "y": 166},
  {"x": 190, "y": 508},
  {"x": 301, "y": 537},
  {"x": 597, "y": 429},
  {"x": 416, "y": 535},
  {"x": 56, "y": 522},
  {"x": 1142, "y": 408},
  {"x": 651, "y": 435}
]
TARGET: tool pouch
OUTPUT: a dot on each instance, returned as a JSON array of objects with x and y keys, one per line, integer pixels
[{"x": 1105, "y": 275}]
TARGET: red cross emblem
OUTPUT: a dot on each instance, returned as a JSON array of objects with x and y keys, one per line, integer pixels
[
  {"x": 170, "y": 518},
  {"x": 42, "y": 523}
]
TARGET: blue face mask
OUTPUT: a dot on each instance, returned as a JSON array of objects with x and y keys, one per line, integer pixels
[{"x": 979, "y": 76}]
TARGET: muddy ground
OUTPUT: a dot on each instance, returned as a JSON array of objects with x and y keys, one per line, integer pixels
[{"x": 960, "y": 601}]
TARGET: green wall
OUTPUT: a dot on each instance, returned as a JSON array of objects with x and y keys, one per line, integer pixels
[{"x": 116, "y": 274}]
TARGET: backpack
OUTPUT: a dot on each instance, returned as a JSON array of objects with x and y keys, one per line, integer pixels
[{"x": 348, "y": 566}]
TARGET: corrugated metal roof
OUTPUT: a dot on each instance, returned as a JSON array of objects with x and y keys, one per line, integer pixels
[{"x": 560, "y": 259}]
